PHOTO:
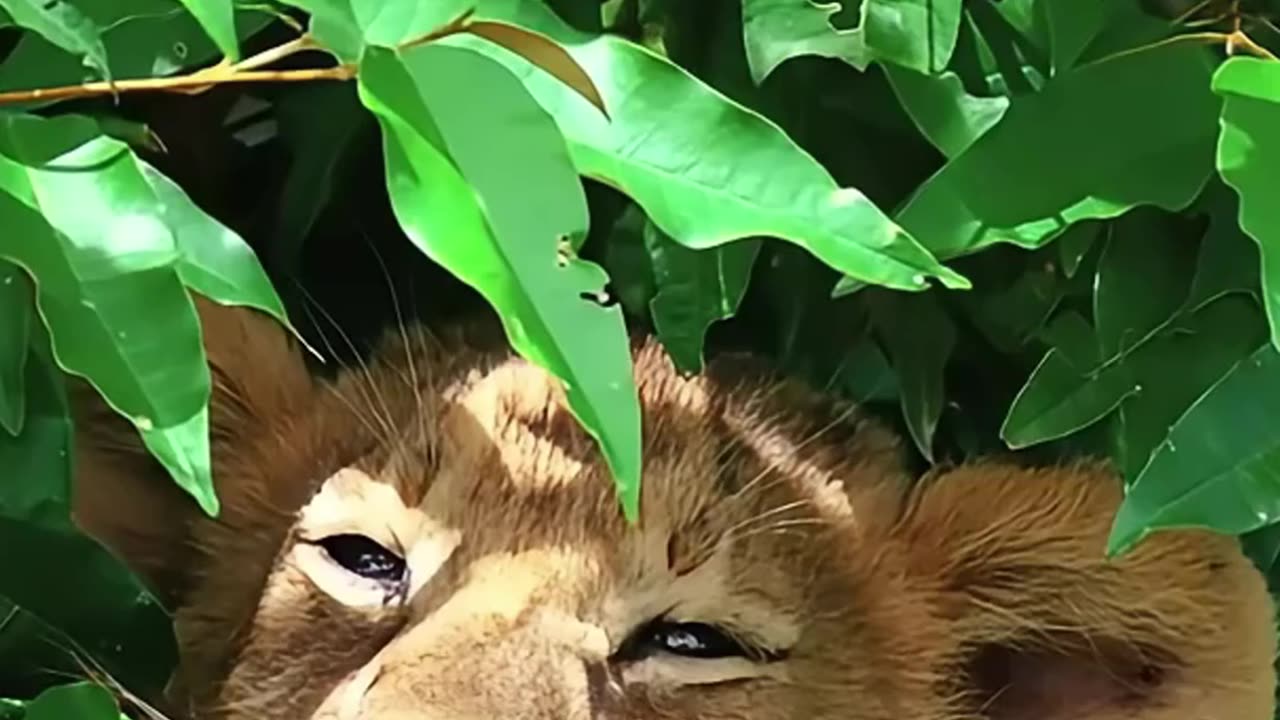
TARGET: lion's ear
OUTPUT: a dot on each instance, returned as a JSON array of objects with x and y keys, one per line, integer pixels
[
  {"x": 1047, "y": 628},
  {"x": 125, "y": 499}
]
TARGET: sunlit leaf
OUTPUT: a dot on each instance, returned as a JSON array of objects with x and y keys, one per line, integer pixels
[
  {"x": 777, "y": 30},
  {"x": 64, "y": 25},
  {"x": 347, "y": 27},
  {"x": 915, "y": 34},
  {"x": 113, "y": 246},
  {"x": 737, "y": 174},
  {"x": 502, "y": 195},
  {"x": 212, "y": 259},
  {"x": 143, "y": 38},
  {"x": 1249, "y": 161},
  {"x": 218, "y": 19},
  {"x": 106, "y": 282}
]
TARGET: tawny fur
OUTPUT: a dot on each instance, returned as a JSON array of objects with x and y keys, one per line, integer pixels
[{"x": 978, "y": 592}]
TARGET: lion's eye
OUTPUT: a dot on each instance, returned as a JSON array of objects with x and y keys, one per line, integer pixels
[
  {"x": 686, "y": 639},
  {"x": 364, "y": 557},
  {"x": 697, "y": 640}
]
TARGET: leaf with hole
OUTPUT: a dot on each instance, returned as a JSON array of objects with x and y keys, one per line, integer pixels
[
  {"x": 916, "y": 34},
  {"x": 502, "y": 195}
]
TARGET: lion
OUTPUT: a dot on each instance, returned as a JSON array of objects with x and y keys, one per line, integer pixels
[{"x": 432, "y": 535}]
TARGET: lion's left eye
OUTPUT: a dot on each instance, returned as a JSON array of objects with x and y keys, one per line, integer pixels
[{"x": 364, "y": 557}]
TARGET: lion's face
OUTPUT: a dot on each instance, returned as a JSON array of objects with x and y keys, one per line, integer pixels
[{"x": 434, "y": 537}]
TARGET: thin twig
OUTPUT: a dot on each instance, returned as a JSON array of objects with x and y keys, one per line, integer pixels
[
  {"x": 185, "y": 83},
  {"x": 245, "y": 71},
  {"x": 1231, "y": 41}
]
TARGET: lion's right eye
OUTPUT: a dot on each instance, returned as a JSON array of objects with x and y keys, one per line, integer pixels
[{"x": 364, "y": 557}]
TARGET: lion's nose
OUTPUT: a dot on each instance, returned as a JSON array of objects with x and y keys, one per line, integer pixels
[
  {"x": 505, "y": 645},
  {"x": 524, "y": 672}
]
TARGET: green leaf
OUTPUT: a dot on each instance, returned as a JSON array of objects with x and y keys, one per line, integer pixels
[
  {"x": 62, "y": 24},
  {"x": 218, "y": 19},
  {"x": 1218, "y": 468},
  {"x": 1112, "y": 137},
  {"x": 1072, "y": 26},
  {"x": 1011, "y": 313},
  {"x": 347, "y": 27},
  {"x": 1069, "y": 390},
  {"x": 777, "y": 30},
  {"x": 626, "y": 259},
  {"x": 483, "y": 185},
  {"x": 1074, "y": 243},
  {"x": 1263, "y": 548},
  {"x": 1061, "y": 29},
  {"x": 695, "y": 288},
  {"x": 15, "y": 330},
  {"x": 1249, "y": 161},
  {"x": 212, "y": 259},
  {"x": 104, "y": 261},
  {"x": 948, "y": 116},
  {"x": 1175, "y": 367},
  {"x": 143, "y": 38},
  {"x": 915, "y": 34},
  {"x": 711, "y": 171},
  {"x": 111, "y": 243},
  {"x": 1144, "y": 243},
  {"x": 919, "y": 337},
  {"x": 123, "y": 628},
  {"x": 1229, "y": 258},
  {"x": 74, "y": 701},
  {"x": 866, "y": 375},
  {"x": 37, "y": 490}
]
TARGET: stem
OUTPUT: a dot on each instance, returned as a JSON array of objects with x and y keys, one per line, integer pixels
[
  {"x": 197, "y": 81},
  {"x": 245, "y": 71},
  {"x": 1231, "y": 41}
]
